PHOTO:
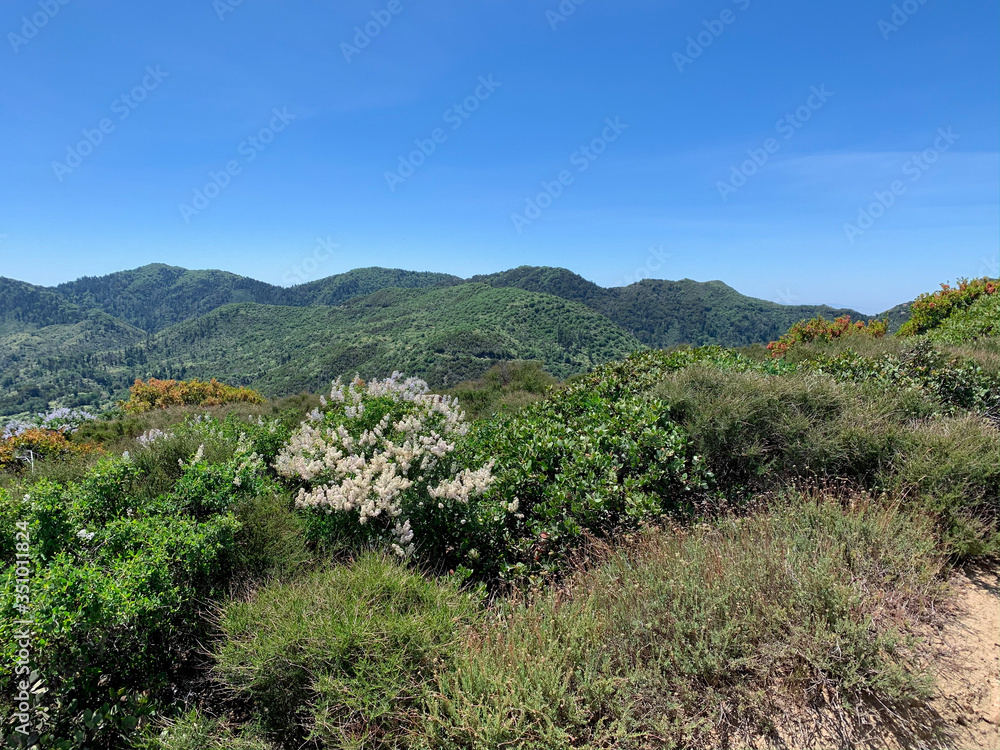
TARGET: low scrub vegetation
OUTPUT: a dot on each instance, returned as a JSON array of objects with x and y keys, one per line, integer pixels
[
  {"x": 507, "y": 385},
  {"x": 686, "y": 635},
  {"x": 644, "y": 556},
  {"x": 343, "y": 655}
]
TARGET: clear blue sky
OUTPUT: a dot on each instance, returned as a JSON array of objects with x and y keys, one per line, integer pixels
[{"x": 220, "y": 71}]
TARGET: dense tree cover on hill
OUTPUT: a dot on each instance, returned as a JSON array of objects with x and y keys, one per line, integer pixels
[
  {"x": 445, "y": 334},
  {"x": 667, "y": 313},
  {"x": 85, "y": 342},
  {"x": 24, "y": 304},
  {"x": 157, "y": 296},
  {"x": 361, "y": 281}
]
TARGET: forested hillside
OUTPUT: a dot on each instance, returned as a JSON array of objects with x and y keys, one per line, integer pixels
[
  {"x": 83, "y": 343},
  {"x": 447, "y": 335},
  {"x": 157, "y": 296},
  {"x": 667, "y": 313},
  {"x": 25, "y": 305}
]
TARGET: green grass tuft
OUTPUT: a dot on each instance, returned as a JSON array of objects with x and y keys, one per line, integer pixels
[{"x": 341, "y": 655}]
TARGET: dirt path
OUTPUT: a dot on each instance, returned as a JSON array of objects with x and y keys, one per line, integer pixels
[{"x": 968, "y": 664}]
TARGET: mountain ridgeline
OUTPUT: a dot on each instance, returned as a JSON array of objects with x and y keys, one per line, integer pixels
[{"x": 82, "y": 343}]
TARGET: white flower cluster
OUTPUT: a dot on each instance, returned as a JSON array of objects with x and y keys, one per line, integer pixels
[
  {"x": 195, "y": 459},
  {"x": 62, "y": 419},
  {"x": 151, "y": 436},
  {"x": 467, "y": 483},
  {"x": 373, "y": 471}
]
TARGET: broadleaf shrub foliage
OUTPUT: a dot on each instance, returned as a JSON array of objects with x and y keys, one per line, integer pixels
[
  {"x": 577, "y": 464},
  {"x": 120, "y": 571}
]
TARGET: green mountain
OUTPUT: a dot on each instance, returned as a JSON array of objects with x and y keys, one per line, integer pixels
[
  {"x": 27, "y": 305},
  {"x": 668, "y": 313},
  {"x": 64, "y": 363},
  {"x": 361, "y": 281},
  {"x": 157, "y": 296},
  {"x": 445, "y": 335},
  {"x": 84, "y": 342}
]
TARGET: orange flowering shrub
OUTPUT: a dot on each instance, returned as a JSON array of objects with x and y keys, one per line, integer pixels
[
  {"x": 821, "y": 329},
  {"x": 930, "y": 310},
  {"x": 42, "y": 443},
  {"x": 159, "y": 394}
]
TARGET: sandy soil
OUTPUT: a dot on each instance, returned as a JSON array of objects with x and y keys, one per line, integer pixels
[{"x": 968, "y": 664}]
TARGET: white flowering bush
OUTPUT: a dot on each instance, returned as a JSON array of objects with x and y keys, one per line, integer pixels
[{"x": 376, "y": 465}]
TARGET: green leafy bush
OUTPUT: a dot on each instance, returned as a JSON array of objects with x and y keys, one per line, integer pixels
[
  {"x": 956, "y": 382},
  {"x": 980, "y": 319},
  {"x": 575, "y": 464},
  {"x": 119, "y": 575},
  {"x": 930, "y": 310}
]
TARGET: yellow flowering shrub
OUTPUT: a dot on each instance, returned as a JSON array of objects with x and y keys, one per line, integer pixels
[{"x": 159, "y": 394}]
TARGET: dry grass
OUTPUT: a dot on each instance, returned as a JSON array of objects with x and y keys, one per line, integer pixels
[{"x": 691, "y": 634}]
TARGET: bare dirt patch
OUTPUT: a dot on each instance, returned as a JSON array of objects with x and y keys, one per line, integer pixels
[{"x": 967, "y": 663}]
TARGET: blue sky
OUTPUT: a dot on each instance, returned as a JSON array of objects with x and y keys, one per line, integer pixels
[{"x": 839, "y": 103}]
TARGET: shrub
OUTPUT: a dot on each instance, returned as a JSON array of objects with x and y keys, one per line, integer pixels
[
  {"x": 756, "y": 430},
  {"x": 684, "y": 636},
  {"x": 159, "y": 394},
  {"x": 341, "y": 656},
  {"x": 271, "y": 538},
  {"x": 34, "y": 443},
  {"x": 759, "y": 431},
  {"x": 930, "y": 310},
  {"x": 949, "y": 466},
  {"x": 508, "y": 384},
  {"x": 821, "y": 329},
  {"x": 978, "y": 320},
  {"x": 196, "y": 731},
  {"x": 118, "y": 579},
  {"x": 374, "y": 467},
  {"x": 62, "y": 419},
  {"x": 955, "y": 382},
  {"x": 575, "y": 464}
]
